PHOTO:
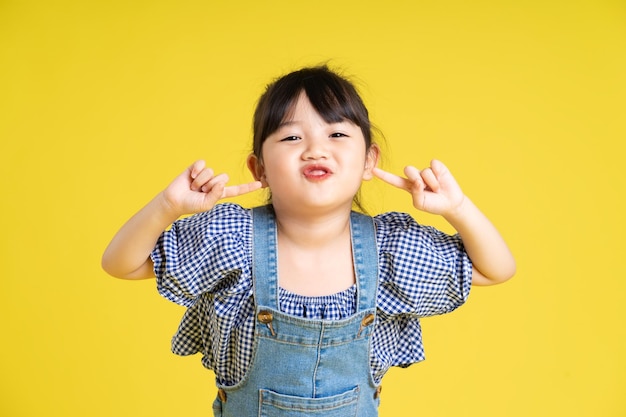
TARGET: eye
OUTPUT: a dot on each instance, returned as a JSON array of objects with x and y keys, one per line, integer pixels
[
  {"x": 338, "y": 135},
  {"x": 290, "y": 139}
]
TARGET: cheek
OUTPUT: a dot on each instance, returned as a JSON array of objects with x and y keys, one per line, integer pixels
[{"x": 273, "y": 169}]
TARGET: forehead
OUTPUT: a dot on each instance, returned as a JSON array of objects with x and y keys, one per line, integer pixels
[{"x": 300, "y": 107}]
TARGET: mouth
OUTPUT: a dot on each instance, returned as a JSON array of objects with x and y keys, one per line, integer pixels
[{"x": 316, "y": 172}]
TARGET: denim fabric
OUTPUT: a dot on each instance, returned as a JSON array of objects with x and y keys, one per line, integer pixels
[{"x": 303, "y": 367}]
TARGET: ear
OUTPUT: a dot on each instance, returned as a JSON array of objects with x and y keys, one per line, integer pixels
[
  {"x": 257, "y": 169},
  {"x": 371, "y": 161}
]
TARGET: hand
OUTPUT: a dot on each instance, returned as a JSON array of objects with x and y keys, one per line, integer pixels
[
  {"x": 198, "y": 189},
  {"x": 434, "y": 189}
]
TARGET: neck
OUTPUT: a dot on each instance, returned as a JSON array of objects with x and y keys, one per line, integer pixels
[{"x": 312, "y": 230}]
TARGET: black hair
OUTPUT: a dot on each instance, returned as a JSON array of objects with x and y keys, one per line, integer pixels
[{"x": 333, "y": 97}]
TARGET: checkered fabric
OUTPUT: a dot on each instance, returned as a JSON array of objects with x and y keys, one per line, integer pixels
[{"x": 203, "y": 262}]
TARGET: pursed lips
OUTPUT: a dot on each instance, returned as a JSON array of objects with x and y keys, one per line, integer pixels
[{"x": 316, "y": 172}]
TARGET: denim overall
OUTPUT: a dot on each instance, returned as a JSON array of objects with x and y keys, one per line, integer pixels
[{"x": 304, "y": 367}]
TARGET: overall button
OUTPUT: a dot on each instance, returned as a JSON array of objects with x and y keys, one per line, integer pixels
[
  {"x": 221, "y": 394},
  {"x": 265, "y": 317},
  {"x": 367, "y": 320},
  {"x": 379, "y": 389}
]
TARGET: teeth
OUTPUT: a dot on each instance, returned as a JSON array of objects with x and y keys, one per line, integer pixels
[{"x": 316, "y": 171}]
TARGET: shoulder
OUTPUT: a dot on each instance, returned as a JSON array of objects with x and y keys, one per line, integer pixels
[
  {"x": 394, "y": 224},
  {"x": 394, "y": 220},
  {"x": 393, "y": 228},
  {"x": 222, "y": 218}
]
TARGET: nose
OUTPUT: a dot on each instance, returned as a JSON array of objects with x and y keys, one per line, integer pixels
[{"x": 315, "y": 149}]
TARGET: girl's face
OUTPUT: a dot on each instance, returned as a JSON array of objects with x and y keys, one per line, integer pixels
[{"x": 310, "y": 164}]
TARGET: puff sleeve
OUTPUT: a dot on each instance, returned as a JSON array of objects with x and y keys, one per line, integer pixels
[
  {"x": 199, "y": 253},
  {"x": 423, "y": 271}
]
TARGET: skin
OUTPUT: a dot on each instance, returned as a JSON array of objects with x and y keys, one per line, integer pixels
[
  {"x": 313, "y": 169},
  {"x": 434, "y": 190},
  {"x": 195, "y": 190}
]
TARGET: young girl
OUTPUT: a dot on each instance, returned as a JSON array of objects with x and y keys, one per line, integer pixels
[{"x": 301, "y": 306}]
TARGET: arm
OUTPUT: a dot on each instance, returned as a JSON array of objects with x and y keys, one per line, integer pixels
[
  {"x": 435, "y": 191},
  {"x": 197, "y": 189},
  {"x": 492, "y": 260}
]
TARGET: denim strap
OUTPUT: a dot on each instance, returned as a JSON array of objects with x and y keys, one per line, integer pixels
[{"x": 265, "y": 262}]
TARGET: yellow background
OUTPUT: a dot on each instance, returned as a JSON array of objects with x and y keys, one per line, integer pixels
[{"x": 103, "y": 102}]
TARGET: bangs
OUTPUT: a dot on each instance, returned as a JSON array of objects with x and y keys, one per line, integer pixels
[
  {"x": 332, "y": 102},
  {"x": 334, "y": 98}
]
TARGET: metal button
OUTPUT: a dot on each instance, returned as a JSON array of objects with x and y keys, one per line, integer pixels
[
  {"x": 221, "y": 394},
  {"x": 379, "y": 389},
  {"x": 265, "y": 317},
  {"x": 367, "y": 320}
]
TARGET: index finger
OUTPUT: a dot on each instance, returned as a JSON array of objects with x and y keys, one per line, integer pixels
[
  {"x": 392, "y": 179},
  {"x": 236, "y": 190}
]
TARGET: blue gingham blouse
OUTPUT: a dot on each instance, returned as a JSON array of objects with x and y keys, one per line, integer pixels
[{"x": 203, "y": 262}]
